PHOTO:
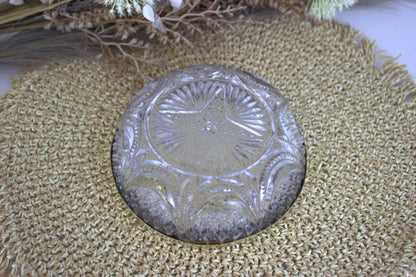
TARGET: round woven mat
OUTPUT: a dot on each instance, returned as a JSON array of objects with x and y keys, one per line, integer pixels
[{"x": 356, "y": 215}]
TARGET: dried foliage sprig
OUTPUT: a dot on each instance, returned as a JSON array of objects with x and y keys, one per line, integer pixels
[
  {"x": 133, "y": 52},
  {"x": 122, "y": 29},
  {"x": 126, "y": 40}
]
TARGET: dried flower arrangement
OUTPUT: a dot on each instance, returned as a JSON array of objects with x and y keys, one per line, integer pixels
[
  {"x": 121, "y": 29},
  {"x": 324, "y": 9}
]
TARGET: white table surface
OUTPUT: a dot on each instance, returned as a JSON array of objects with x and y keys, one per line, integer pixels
[{"x": 392, "y": 23}]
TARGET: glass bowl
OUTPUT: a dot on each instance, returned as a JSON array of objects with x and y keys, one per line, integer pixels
[{"x": 208, "y": 154}]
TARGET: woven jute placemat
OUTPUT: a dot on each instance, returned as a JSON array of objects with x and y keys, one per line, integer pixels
[{"x": 61, "y": 213}]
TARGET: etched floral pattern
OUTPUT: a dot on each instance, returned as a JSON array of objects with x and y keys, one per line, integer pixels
[{"x": 208, "y": 155}]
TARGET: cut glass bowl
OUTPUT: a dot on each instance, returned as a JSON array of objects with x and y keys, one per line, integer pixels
[{"x": 208, "y": 154}]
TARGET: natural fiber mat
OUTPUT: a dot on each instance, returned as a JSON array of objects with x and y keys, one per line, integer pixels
[{"x": 61, "y": 213}]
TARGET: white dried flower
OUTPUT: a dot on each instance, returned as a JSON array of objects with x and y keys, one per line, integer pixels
[
  {"x": 176, "y": 4},
  {"x": 122, "y": 7},
  {"x": 149, "y": 13},
  {"x": 326, "y": 9}
]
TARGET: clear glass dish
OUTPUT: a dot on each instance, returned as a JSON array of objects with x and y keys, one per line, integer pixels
[{"x": 208, "y": 154}]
